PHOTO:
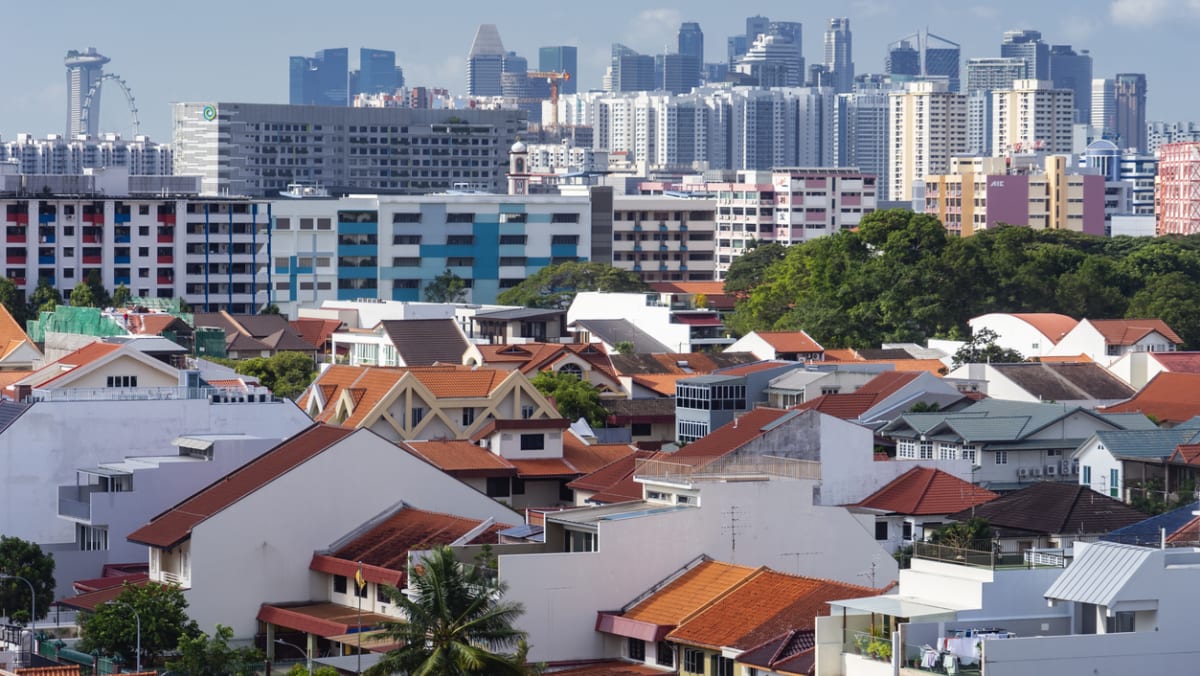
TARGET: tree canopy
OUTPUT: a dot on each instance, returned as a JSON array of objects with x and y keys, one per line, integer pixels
[
  {"x": 982, "y": 349},
  {"x": 575, "y": 398},
  {"x": 455, "y": 623},
  {"x": 204, "y": 655},
  {"x": 284, "y": 373},
  {"x": 555, "y": 286},
  {"x": 13, "y": 300},
  {"x": 901, "y": 277},
  {"x": 44, "y": 298},
  {"x": 446, "y": 288},
  {"x": 21, "y": 558},
  {"x": 112, "y": 627}
]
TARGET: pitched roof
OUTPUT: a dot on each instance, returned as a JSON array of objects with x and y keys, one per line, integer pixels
[
  {"x": 532, "y": 357},
  {"x": 678, "y": 363},
  {"x": 1169, "y": 397},
  {"x": 1065, "y": 381},
  {"x": 615, "y": 479},
  {"x": 991, "y": 420},
  {"x": 793, "y": 652},
  {"x": 762, "y": 607},
  {"x": 1053, "y": 508},
  {"x": 790, "y": 341},
  {"x": 923, "y": 491},
  {"x": 587, "y": 458},
  {"x": 255, "y": 332},
  {"x": 463, "y": 458},
  {"x": 714, "y": 291},
  {"x": 456, "y": 382},
  {"x": 1130, "y": 331},
  {"x": 460, "y": 457},
  {"x": 176, "y": 524},
  {"x": 1051, "y": 325},
  {"x": 614, "y": 331},
  {"x": 851, "y": 405},
  {"x": 315, "y": 332},
  {"x": 1178, "y": 362},
  {"x": 1146, "y": 444},
  {"x": 1186, "y": 454},
  {"x": 366, "y": 384},
  {"x": 424, "y": 342},
  {"x": 696, "y": 587},
  {"x": 155, "y": 323},
  {"x": 12, "y": 336},
  {"x": 88, "y": 354},
  {"x": 1099, "y": 573},
  {"x": 1149, "y": 531},
  {"x": 731, "y": 436}
]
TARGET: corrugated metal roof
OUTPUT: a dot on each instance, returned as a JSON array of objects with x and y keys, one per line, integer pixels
[
  {"x": 1158, "y": 443},
  {"x": 1099, "y": 573}
]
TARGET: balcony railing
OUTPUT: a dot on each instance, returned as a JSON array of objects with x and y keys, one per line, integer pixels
[
  {"x": 75, "y": 502},
  {"x": 217, "y": 395},
  {"x": 718, "y": 467}
]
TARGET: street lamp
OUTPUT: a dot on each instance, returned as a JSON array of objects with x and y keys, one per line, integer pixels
[
  {"x": 32, "y": 610},
  {"x": 138, "y": 619},
  {"x": 307, "y": 655}
]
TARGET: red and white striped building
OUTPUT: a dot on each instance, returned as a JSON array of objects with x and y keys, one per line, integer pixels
[{"x": 1177, "y": 189}]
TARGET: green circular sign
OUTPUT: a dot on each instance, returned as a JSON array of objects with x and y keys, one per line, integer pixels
[{"x": 210, "y": 113}]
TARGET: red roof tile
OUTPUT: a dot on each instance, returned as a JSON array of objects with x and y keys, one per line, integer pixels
[
  {"x": 91, "y": 600},
  {"x": 544, "y": 468},
  {"x": 460, "y": 458},
  {"x": 175, "y": 525},
  {"x": 1178, "y": 362},
  {"x": 614, "y": 475},
  {"x": 1186, "y": 454},
  {"x": 747, "y": 369},
  {"x": 851, "y": 405},
  {"x": 1051, "y": 325},
  {"x": 1130, "y": 331},
  {"x": 1169, "y": 397},
  {"x": 682, "y": 597},
  {"x": 85, "y": 355},
  {"x": 922, "y": 491},
  {"x": 731, "y": 436},
  {"x": 790, "y": 341},
  {"x": 322, "y": 619},
  {"x": 316, "y": 332}
]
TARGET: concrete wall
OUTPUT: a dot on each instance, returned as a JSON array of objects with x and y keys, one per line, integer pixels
[
  {"x": 1088, "y": 655},
  {"x": 1013, "y": 333},
  {"x": 125, "y": 365},
  {"x": 257, "y": 550}
]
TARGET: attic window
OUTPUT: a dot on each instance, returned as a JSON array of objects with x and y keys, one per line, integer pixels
[{"x": 122, "y": 381}]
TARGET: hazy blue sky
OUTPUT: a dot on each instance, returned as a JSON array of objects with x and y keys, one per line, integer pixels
[{"x": 226, "y": 50}]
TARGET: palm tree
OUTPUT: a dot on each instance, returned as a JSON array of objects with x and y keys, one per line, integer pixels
[{"x": 456, "y": 624}]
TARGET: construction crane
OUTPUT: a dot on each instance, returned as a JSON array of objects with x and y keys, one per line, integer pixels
[{"x": 552, "y": 77}]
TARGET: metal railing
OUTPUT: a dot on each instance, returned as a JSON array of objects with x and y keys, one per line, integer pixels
[
  {"x": 718, "y": 467},
  {"x": 216, "y": 394}
]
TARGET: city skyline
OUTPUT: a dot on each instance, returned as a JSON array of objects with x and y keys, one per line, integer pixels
[{"x": 1124, "y": 36}]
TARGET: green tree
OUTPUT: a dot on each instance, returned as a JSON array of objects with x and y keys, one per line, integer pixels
[
  {"x": 747, "y": 271},
  {"x": 1170, "y": 297},
  {"x": 446, "y": 288},
  {"x": 81, "y": 296},
  {"x": 121, "y": 296},
  {"x": 25, "y": 559},
  {"x": 284, "y": 373},
  {"x": 112, "y": 628},
  {"x": 13, "y": 300},
  {"x": 970, "y": 534},
  {"x": 455, "y": 623},
  {"x": 45, "y": 298},
  {"x": 982, "y": 349},
  {"x": 270, "y": 309},
  {"x": 100, "y": 296},
  {"x": 575, "y": 398},
  {"x": 202, "y": 655},
  {"x": 625, "y": 347},
  {"x": 555, "y": 286}
]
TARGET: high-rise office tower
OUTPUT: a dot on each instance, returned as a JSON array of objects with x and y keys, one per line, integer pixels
[
  {"x": 560, "y": 59},
  {"x": 1072, "y": 70},
  {"x": 738, "y": 45},
  {"x": 755, "y": 26},
  {"x": 902, "y": 59},
  {"x": 1130, "y": 97},
  {"x": 927, "y": 55},
  {"x": 1032, "y": 115},
  {"x": 680, "y": 74},
  {"x": 1028, "y": 45},
  {"x": 927, "y": 126},
  {"x": 377, "y": 72},
  {"x": 861, "y": 134},
  {"x": 773, "y": 61},
  {"x": 1104, "y": 107},
  {"x": 838, "y": 57},
  {"x": 322, "y": 80},
  {"x": 84, "y": 70},
  {"x": 631, "y": 71},
  {"x": 485, "y": 62},
  {"x": 691, "y": 44}
]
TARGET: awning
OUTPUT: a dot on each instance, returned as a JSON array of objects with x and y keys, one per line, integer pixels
[
  {"x": 898, "y": 606},
  {"x": 349, "y": 663},
  {"x": 193, "y": 443},
  {"x": 375, "y": 640}
]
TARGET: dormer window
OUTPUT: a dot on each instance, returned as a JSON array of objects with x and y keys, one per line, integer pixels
[{"x": 572, "y": 370}]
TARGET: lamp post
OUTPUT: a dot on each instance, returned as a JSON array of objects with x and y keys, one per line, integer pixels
[
  {"x": 307, "y": 655},
  {"x": 138, "y": 619},
  {"x": 32, "y": 610}
]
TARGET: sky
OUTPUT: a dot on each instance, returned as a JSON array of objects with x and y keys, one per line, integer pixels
[{"x": 227, "y": 50}]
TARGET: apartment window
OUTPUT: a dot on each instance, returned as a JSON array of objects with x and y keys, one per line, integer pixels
[
  {"x": 360, "y": 592},
  {"x": 926, "y": 450},
  {"x": 339, "y": 584},
  {"x": 533, "y": 442},
  {"x": 881, "y": 530},
  {"x": 947, "y": 451},
  {"x": 512, "y": 260},
  {"x": 122, "y": 381},
  {"x": 721, "y": 666},
  {"x": 283, "y": 224},
  {"x": 1114, "y": 483},
  {"x": 406, "y": 218},
  {"x": 564, "y": 239},
  {"x": 970, "y": 452},
  {"x": 664, "y": 654},
  {"x": 464, "y": 217},
  {"x": 641, "y": 429},
  {"x": 406, "y": 239},
  {"x": 460, "y": 240},
  {"x": 580, "y": 541},
  {"x": 513, "y": 239},
  {"x": 564, "y": 218},
  {"x": 637, "y": 650},
  {"x": 460, "y": 261},
  {"x": 91, "y": 538},
  {"x": 693, "y": 661},
  {"x": 381, "y": 594},
  {"x": 1001, "y": 457},
  {"x": 514, "y": 218},
  {"x": 906, "y": 449}
]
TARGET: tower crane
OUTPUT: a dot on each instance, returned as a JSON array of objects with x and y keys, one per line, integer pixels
[{"x": 553, "y": 78}]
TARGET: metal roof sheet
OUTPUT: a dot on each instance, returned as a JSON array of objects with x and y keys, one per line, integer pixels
[{"x": 1099, "y": 573}]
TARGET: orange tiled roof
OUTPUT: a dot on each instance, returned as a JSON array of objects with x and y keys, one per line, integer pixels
[
  {"x": 616, "y": 477},
  {"x": 460, "y": 457},
  {"x": 1188, "y": 533},
  {"x": 932, "y": 366},
  {"x": 587, "y": 458},
  {"x": 923, "y": 491},
  {"x": 841, "y": 354},
  {"x": 747, "y": 369},
  {"x": 1178, "y": 362},
  {"x": 1169, "y": 397},
  {"x": 11, "y": 333},
  {"x": 612, "y": 668},
  {"x": 1130, "y": 331},
  {"x": 689, "y": 592},
  {"x": 1186, "y": 454},
  {"x": 543, "y": 468},
  {"x": 1050, "y": 324},
  {"x": 790, "y": 341},
  {"x": 316, "y": 332},
  {"x": 453, "y": 382},
  {"x": 763, "y": 607},
  {"x": 660, "y": 384},
  {"x": 82, "y": 357},
  {"x": 729, "y": 437}
]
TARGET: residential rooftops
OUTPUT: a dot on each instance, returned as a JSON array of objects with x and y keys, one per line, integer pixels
[
  {"x": 1053, "y": 508},
  {"x": 923, "y": 491}
]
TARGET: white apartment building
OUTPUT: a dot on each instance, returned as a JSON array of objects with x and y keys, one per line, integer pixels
[
  {"x": 1032, "y": 115},
  {"x": 927, "y": 126},
  {"x": 664, "y": 238},
  {"x": 561, "y": 158},
  {"x": 57, "y": 155}
]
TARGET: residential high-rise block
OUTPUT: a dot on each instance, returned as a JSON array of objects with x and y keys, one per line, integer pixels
[
  {"x": 84, "y": 71},
  {"x": 839, "y": 62},
  {"x": 377, "y": 72},
  {"x": 1177, "y": 189},
  {"x": 485, "y": 62},
  {"x": 1028, "y": 45},
  {"x": 1129, "y": 91},
  {"x": 1104, "y": 107},
  {"x": 1161, "y": 133},
  {"x": 927, "y": 126},
  {"x": 560, "y": 59},
  {"x": 1032, "y": 116},
  {"x": 320, "y": 80},
  {"x": 993, "y": 72},
  {"x": 1072, "y": 70},
  {"x": 691, "y": 44},
  {"x": 861, "y": 134}
]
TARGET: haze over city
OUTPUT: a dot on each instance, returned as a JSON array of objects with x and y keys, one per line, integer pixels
[{"x": 238, "y": 51}]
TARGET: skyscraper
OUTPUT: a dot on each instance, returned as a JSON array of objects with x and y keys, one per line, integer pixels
[
  {"x": 376, "y": 72},
  {"x": 1071, "y": 70},
  {"x": 902, "y": 59},
  {"x": 1028, "y": 45},
  {"x": 1104, "y": 107},
  {"x": 773, "y": 61},
  {"x": 839, "y": 61},
  {"x": 322, "y": 80},
  {"x": 1130, "y": 96},
  {"x": 559, "y": 59},
  {"x": 84, "y": 70},
  {"x": 926, "y": 127},
  {"x": 925, "y": 54},
  {"x": 691, "y": 44},
  {"x": 680, "y": 74},
  {"x": 631, "y": 71},
  {"x": 1032, "y": 115},
  {"x": 861, "y": 134},
  {"x": 485, "y": 62}
]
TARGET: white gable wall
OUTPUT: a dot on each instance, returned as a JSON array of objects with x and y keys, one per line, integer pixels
[{"x": 1014, "y": 334}]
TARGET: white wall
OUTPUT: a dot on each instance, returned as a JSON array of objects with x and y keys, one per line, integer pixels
[
  {"x": 753, "y": 343},
  {"x": 1136, "y": 368},
  {"x": 1169, "y": 652},
  {"x": 1093, "y": 454},
  {"x": 655, "y": 320},
  {"x": 258, "y": 549},
  {"x": 1014, "y": 334},
  {"x": 776, "y": 525}
]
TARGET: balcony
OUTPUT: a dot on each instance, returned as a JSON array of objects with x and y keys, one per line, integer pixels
[
  {"x": 75, "y": 502},
  {"x": 15, "y": 259},
  {"x": 165, "y": 239},
  {"x": 166, "y": 219},
  {"x": 15, "y": 239},
  {"x": 122, "y": 280},
  {"x": 165, "y": 259},
  {"x": 121, "y": 260},
  {"x": 121, "y": 218},
  {"x": 92, "y": 260},
  {"x": 45, "y": 260}
]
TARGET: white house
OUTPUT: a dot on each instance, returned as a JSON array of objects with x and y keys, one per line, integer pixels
[
  {"x": 1033, "y": 334},
  {"x": 789, "y": 345},
  {"x": 1110, "y": 461},
  {"x": 1139, "y": 368},
  {"x": 675, "y": 330},
  {"x": 1106, "y": 340},
  {"x": 248, "y": 539}
]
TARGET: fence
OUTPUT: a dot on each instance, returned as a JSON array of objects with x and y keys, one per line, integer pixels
[{"x": 717, "y": 466}]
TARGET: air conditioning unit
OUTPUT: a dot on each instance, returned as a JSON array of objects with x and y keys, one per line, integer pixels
[
  {"x": 1051, "y": 470},
  {"x": 1074, "y": 467},
  {"x": 1022, "y": 472},
  {"x": 1066, "y": 467},
  {"x": 1036, "y": 471}
]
